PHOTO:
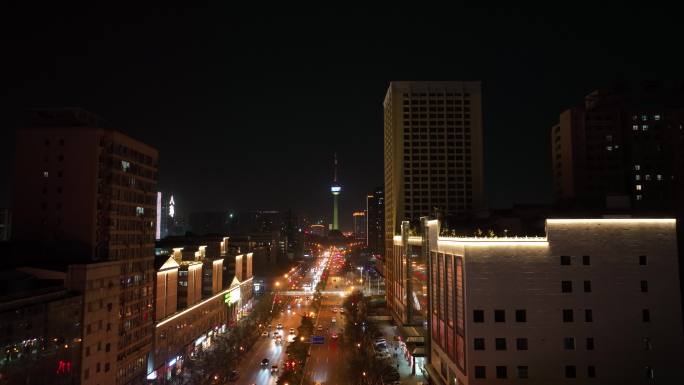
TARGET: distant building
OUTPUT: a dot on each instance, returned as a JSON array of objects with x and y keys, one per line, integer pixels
[
  {"x": 5, "y": 224},
  {"x": 592, "y": 300},
  {"x": 209, "y": 222},
  {"x": 376, "y": 221},
  {"x": 318, "y": 230},
  {"x": 621, "y": 149},
  {"x": 85, "y": 195},
  {"x": 433, "y": 161},
  {"x": 360, "y": 225}
]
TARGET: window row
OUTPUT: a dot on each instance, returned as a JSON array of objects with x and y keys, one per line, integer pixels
[
  {"x": 522, "y": 344},
  {"x": 501, "y": 372}
]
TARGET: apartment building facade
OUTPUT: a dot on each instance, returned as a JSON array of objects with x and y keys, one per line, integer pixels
[
  {"x": 594, "y": 301},
  {"x": 88, "y": 194},
  {"x": 432, "y": 164}
]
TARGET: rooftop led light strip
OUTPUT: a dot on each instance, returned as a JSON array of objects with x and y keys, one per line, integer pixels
[
  {"x": 634, "y": 221},
  {"x": 216, "y": 296}
]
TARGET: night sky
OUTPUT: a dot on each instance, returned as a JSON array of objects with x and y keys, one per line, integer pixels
[{"x": 247, "y": 106}]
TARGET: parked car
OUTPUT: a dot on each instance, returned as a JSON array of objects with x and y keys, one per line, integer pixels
[
  {"x": 334, "y": 310},
  {"x": 334, "y": 320},
  {"x": 264, "y": 333}
]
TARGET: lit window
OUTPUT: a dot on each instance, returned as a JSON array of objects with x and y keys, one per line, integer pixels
[
  {"x": 638, "y": 187},
  {"x": 644, "y": 127},
  {"x": 635, "y": 127},
  {"x": 647, "y": 176},
  {"x": 609, "y": 148},
  {"x": 637, "y": 167},
  {"x": 637, "y": 177},
  {"x": 125, "y": 165},
  {"x": 45, "y": 174},
  {"x": 140, "y": 210},
  {"x": 656, "y": 117},
  {"x": 644, "y": 117},
  {"x": 639, "y": 197},
  {"x": 659, "y": 177}
]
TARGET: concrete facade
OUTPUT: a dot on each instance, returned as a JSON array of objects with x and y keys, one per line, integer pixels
[{"x": 594, "y": 301}]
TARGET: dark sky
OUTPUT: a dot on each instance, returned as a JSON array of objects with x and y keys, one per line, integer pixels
[{"x": 247, "y": 106}]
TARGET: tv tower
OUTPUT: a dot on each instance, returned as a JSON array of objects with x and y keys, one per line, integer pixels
[{"x": 335, "y": 189}]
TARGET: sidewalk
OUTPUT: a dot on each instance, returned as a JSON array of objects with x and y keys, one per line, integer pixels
[{"x": 406, "y": 378}]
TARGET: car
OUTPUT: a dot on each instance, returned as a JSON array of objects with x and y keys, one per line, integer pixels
[
  {"x": 279, "y": 326},
  {"x": 334, "y": 310},
  {"x": 319, "y": 328},
  {"x": 334, "y": 320},
  {"x": 380, "y": 340},
  {"x": 264, "y": 362},
  {"x": 264, "y": 333},
  {"x": 341, "y": 310},
  {"x": 333, "y": 336},
  {"x": 292, "y": 331},
  {"x": 274, "y": 369}
]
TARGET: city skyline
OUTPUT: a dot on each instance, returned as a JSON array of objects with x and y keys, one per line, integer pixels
[{"x": 190, "y": 82}]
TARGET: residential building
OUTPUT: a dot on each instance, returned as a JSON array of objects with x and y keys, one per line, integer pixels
[
  {"x": 621, "y": 149},
  {"x": 433, "y": 164},
  {"x": 360, "y": 226},
  {"x": 85, "y": 196},
  {"x": 592, "y": 300}
]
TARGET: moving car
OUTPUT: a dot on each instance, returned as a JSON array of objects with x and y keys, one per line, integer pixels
[
  {"x": 319, "y": 328},
  {"x": 278, "y": 340},
  {"x": 264, "y": 362},
  {"x": 334, "y": 336},
  {"x": 334, "y": 320},
  {"x": 274, "y": 369},
  {"x": 292, "y": 331},
  {"x": 334, "y": 310},
  {"x": 279, "y": 326},
  {"x": 264, "y": 333}
]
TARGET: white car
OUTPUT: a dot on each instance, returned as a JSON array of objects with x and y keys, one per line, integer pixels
[{"x": 334, "y": 320}]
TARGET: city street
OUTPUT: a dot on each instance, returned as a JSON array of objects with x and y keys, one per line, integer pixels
[
  {"x": 251, "y": 371},
  {"x": 326, "y": 361}
]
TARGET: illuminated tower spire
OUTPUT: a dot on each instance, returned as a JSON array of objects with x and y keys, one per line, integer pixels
[{"x": 335, "y": 189}]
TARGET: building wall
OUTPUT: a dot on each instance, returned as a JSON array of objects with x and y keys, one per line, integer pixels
[
  {"x": 167, "y": 289},
  {"x": 522, "y": 275},
  {"x": 432, "y": 156},
  {"x": 101, "y": 290}
]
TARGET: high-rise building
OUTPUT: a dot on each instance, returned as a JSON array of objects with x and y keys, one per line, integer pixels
[
  {"x": 621, "y": 149},
  {"x": 360, "y": 226},
  {"x": 88, "y": 194},
  {"x": 335, "y": 189},
  {"x": 591, "y": 300},
  {"x": 375, "y": 208},
  {"x": 433, "y": 163}
]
